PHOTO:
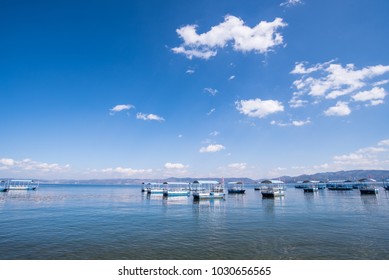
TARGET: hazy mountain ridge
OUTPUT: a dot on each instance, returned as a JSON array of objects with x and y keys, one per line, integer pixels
[{"x": 378, "y": 175}]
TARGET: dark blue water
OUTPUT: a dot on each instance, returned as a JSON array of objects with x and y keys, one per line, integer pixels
[{"x": 119, "y": 222}]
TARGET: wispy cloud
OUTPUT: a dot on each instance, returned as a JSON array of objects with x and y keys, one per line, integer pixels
[
  {"x": 291, "y": 123},
  {"x": 231, "y": 78},
  {"x": 261, "y": 38},
  {"x": 258, "y": 108},
  {"x": 212, "y": 148},
  {"x": 291, "y": 3},
  {"x": 211, "y": 111},
  {"x": 211, "y": 91},
  {"x": 125, "y": 171},
  {"x": 149, "y": 117},
  {"x": 121, "y": 107},
  {"x": 31, "y": 165},
  {"x": 238, "y": 165}
]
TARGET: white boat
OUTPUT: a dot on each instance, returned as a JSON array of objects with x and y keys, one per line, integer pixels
[
  {"x": 208, "y": 190},
  {"x": 152, "y": 188},
  {"x": 272, "y": 188},
  {"x": 22, "y": 185},
  {"x": 176, "y": 189}
]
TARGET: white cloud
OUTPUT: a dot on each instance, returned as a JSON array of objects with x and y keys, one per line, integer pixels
[
  {"x": 122, "y": 107},
  {"x": 212, "y": 148},
  {"x": 258, "y": 108},
  {"x": 330, "y": 80},
  {"x": 211, "y": 91},
  {"x": 384, "y": 142},
  {"x": 231, "y": 78},
  {"x": 238, "y": 165},
  {"x": 31, "y": 165},
  {"x": 7, "y": 161},
  {"x": 375, "y": 95},
  {"x": 170, "y": 165},
  {"x": 261, "y": 38},
  {"x": 127, "y": 172},
  {"x": 214, "y": 133},
  {"x": 340, "y": 109},
  {"x": 190, "y": 71},
  {"x": 149, "y": 117},
  {"x": 290, "y": 3},
  {"x": 301, "y": 123}
]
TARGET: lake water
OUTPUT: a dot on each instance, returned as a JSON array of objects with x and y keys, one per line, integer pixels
[{"x": 119, "y": 222}]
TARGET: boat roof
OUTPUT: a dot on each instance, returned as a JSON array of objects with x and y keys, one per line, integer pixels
[
  {"x": 175, "y": 183},
  {"x": 22, "y": 180},
  {"x": 367, "y": 180},
  {"x": 272, "y": 182},
  {"x": 150, "y": 183},
  {"x": 205, "y": 182}
]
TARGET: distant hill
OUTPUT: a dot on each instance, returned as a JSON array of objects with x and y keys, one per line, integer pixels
[{"x": 378, "y": 175}]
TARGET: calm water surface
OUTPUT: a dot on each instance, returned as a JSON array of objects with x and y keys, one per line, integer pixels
[{"x": 119, "y": 222}]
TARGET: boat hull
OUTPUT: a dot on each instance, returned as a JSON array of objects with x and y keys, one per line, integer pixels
[
  {"x": 369, "y": 191},
  {"x": 232, "y": 191},
  {"x": 210, "y": 195},
  {"x": 176, "y": 193}
]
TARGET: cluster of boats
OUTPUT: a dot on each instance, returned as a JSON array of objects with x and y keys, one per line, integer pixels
[
  {"x": 9, "y": 185},
  {"x": 202, "y": 189},
  {"x": 365, "y": 185}
]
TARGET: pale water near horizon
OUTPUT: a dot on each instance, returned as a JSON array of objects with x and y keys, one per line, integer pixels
[{"x": 119, "y": 222}]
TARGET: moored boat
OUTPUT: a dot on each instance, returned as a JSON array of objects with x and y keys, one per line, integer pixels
[
  {"x": 208, "y": 190},
  {"x": 339, "y": 185},
  {"x": 176, "y": 189},
  {"x": 368, "y": 186},
  {"x": 22, "y": 185},
  {"x": 152, "y": 188},
  {"x": 236, "y": 188},
  {"x": 272, "y": 188}
]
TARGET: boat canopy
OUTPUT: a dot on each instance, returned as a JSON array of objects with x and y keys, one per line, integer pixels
[
  {"x": 204, "y": 182},
  {"x": 22, "y": 180},
  {"x": 151, "y": 183},
  {"x": 235, "y": 183},
  {"x": 367, "y": 180},
  {"x": 175, "y": 183},
  {"x": 272, "y": 182}
]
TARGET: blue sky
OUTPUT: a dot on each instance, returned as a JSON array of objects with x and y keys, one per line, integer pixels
[{"x": 152, "y": 89}]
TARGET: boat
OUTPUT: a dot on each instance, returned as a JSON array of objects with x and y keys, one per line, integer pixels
[
  {"x": 176, "y": 189},
  {"x": 22, "y": 185},
  {"x": 208, "y": 190},
  {"x": 339, "y": 185},
  {"x": 153, "y": 188},
  {"x": 236, "y": 188},
  {"x": 309, "y": 186},
  {"x": 3, "y": 186},
  {"x": 272, "y": 188},
  {"x": 368, "y": 186}
]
